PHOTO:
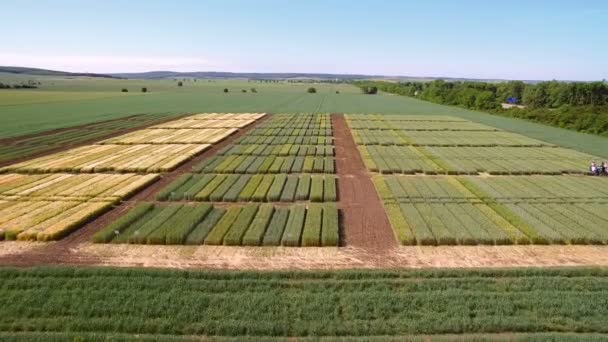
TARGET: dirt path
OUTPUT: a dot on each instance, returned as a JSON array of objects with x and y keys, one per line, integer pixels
[{"x": 365, "y": 224}]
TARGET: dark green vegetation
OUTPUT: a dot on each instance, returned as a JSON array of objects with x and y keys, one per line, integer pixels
[
  {"x": 30, "y": 145},
  {"x": 252, "y": 224},
  {"x": 244, "y": 188},
  {"x": 76, "y": 302},
  {"x": 578, "y": 106}
]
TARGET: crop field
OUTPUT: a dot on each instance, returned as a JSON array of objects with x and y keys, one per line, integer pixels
[
  {"x": 245, "y": 188},
  {"x": 48, "y": 207},
  {"x": 249, "y": 225},
  {"x": 551, "y": 208},
  {"x": 247, "y": 173},
  {"x": 11, "y": 149},
  {"x": 119, "y": 158},
  {"x": 458, "y": 151},
  {"x": 398, "y": 305},
  {"x": 40, "y": 200}
]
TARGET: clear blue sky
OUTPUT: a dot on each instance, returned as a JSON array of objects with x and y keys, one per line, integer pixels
[{"x": 540, "y": 39}]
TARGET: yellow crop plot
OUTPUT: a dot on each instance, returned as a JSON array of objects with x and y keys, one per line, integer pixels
[
  {"x": 47, "y": 207},
  {"x": 72, "y": 187},
  {"x": 45, "y": 220},
  {"x": 103, "y": 158},
  {"x": 172, "y": 136}
]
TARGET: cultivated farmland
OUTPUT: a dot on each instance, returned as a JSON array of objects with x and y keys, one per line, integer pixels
[
  {"x": 249, "y": 225},
  {"x": 296, "y": 166},
  {"x": 449, "y": 210},
  {"x": 48, "y": 197}
]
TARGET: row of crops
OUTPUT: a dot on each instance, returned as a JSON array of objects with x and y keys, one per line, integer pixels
[
  {"x": 26, "y": 146},
  {"x": 173, "y": 136},
  {"x": 268, "y": 164},
  {"x": 256, "y": 188},
  {"x": 496, "y": 210},
  {"x": 119, "y": 158},
  {"x": 250, "y": 225},
  {"x": 48, "y": 207},
  {"x": 472, "y": 160},
  {"x": 443, "y": 138},
  {"x": 40, "y": 201},
  {"x": 251, "y": 170}
]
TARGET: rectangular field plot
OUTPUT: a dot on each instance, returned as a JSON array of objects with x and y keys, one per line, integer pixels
[
  {"x": 472, "y": 160},
  {"x": 249, "y": 225},
  {"x": 283, "y": 150},
  {"x": 397, "y": 118},
  {"x": 46, "y": 220},
  {"x": 205, "y": 121},
  {"x": 402, "y": 136},
  {"x": 172, "y": 136},
  {"x": 72, "y": 187},
  {"x": 304, "y": 125},
  {"x": 266, "y": 164},
  {"x": 121, "y": 158},
  {"x": 255, "y": 188},
  {"x": 496, "y": 210},
  {"x": 25, "y": 146}
]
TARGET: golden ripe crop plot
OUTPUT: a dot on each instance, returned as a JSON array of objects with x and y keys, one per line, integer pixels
[
  {"x": 121, "y": 158},
  {"x": 77, "y": 187},
  {"x": 226, "y": 116},
  {"x": 45, "y": 220},
  {"x": 172, "y": 136}
]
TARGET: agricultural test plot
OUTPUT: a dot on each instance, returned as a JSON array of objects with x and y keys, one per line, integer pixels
[
  {"x": 448, "y": 210},
  {"x": 118, "y": 158},
  {"x": 48, "y": 207},
  {"x": 458, "y": 151},
  {"x": 282, "y": 161},
  {"x": 40, "y": 201},
  {"x": 249, "y": 225},
  {"x": 21, "y": 147}
]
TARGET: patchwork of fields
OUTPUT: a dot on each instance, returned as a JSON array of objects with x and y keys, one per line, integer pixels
[
  {"x": 448, "y": 210},
  {"x": 48, "y": 197},
  {"x": 441, "y": 180},
  {"x": 269, "y": 165}
]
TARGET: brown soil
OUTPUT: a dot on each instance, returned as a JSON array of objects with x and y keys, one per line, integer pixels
[{"x": 364, "y": 220}]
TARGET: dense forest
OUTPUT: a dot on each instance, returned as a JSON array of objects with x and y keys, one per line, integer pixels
[{"x": 581, "y": 106}]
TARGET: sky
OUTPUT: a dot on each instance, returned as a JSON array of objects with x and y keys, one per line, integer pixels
[{"x": 517, "y": 39}]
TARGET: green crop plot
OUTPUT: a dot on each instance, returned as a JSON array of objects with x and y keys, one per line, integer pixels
[
  {"x": 252, "y": 224},
  {"x": 415, "y": 305},
  {"x": 496, "y": 210},
  {"x": 390, "y": 147}
]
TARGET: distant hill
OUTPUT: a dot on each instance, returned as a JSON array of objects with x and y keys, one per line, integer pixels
[
  {"x": 45, "y": 72},
  {"x": 283, "y": 76},
  {"x": 159, "y": 75}
]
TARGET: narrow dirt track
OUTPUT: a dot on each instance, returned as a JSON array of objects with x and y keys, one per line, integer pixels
[{"x": 365, "y": 224}]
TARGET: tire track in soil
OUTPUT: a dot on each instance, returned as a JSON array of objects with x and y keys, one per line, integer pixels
[
  {"x": 364, "y": 221},
  {"x": 65, "y": 251}
]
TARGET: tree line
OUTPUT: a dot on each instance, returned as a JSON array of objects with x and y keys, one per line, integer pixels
[{"x": 581, "y": 106}]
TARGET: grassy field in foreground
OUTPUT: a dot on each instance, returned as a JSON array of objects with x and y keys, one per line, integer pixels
[
  {"x": 73, "y": 106},
  {"x": 334, "y": 304}
]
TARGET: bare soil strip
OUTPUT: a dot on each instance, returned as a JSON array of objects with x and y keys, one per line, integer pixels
[{"x": 365, "y": 224}]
